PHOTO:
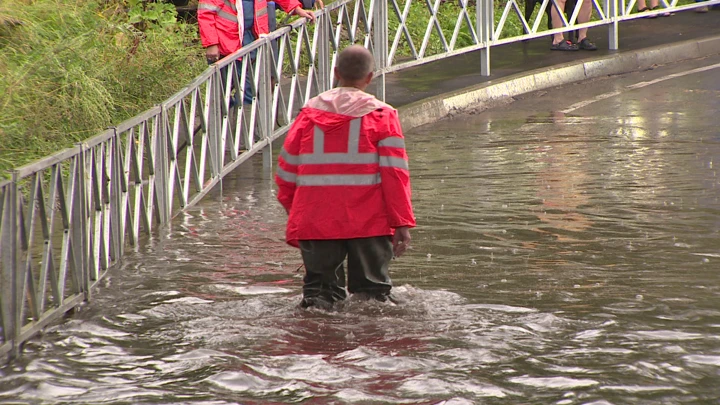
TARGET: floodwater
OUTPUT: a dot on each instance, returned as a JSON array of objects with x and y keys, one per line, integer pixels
[{"x": 560, "y": 258}]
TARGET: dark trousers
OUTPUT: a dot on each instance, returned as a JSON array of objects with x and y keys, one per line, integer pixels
[{"x": 368, "y": 261}]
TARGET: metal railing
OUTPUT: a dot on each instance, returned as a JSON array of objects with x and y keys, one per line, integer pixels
[{"x": 66, "y": 219}]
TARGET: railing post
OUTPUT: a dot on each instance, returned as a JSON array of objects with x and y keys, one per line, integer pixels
[
  {"x": 161, "y": 167},
  {"x": 215, "y": 118},
  {"x": 265, "y": 97},
  {"x": 484, "y": 11},
  {"x": 116, "y": 226},
  {"x": 324, "y": 71},
  {"x": 79, "y": 223},
  {"x": 380, "y": 44},
  {"x": 8, "y": 281},
  {"x": 612, "y": 7}
]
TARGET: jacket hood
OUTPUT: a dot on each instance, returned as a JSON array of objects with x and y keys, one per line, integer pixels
[{"x": 345, "y": 103}]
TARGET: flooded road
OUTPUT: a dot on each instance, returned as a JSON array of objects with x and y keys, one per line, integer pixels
[{"x": 568, "y": 252}]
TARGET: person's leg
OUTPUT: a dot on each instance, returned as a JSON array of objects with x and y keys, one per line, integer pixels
[
  {"x": 642, "y": 5},
  {"x": 559, "y": 43},
  {"x": 569, "y": 10},
  {"x": 369, "y": 265},
  {"x": 248, "y": 38},
  {"x": 557, "y": 20},
  {"x": 529, "y": 9},
  {"x": 324, "y": 270},
  {"x": 224, "y": 81},
  {"x": 272, "y": 23},
  {"x": 583, "y": 17}
]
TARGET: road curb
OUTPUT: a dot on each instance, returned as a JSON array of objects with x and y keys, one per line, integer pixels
[{"x": 486, "y": 95}]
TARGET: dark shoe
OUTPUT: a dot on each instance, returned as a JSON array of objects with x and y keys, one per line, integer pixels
[
  {"x": 586, "y": 45},
  {"x": 316, "y": 302},
  {"x": 644, "y": 9},
  {"x": 387, "y": 297},
  {"x": 663, "y": 14},
  {"x": 564, "y": 46},
  {"x": 377, "y": 296},
  {"x": 649, "y": 9}
]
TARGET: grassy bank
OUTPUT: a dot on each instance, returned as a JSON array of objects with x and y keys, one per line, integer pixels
[{"x": 73, "y": 67}]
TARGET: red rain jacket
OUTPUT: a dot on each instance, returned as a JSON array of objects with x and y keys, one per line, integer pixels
[
  {"x": 220, "y": 24},
  {"x": 343, "y": 171}
]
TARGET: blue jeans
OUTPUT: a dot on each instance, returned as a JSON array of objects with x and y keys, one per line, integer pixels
[{"x": 249, "y": 37}]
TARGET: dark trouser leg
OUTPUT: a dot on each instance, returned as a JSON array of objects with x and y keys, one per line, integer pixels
[
  {"x": 368, "y": 265},
  {"x": 324, "y": 269},
  {"x": 223, "y": 77},
  {"x": 272, "y": 22},
  {"x": 247, "y": 39}
]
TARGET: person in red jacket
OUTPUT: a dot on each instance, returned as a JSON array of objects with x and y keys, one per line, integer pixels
[
  {"x": 226, "y": 25},
  {"x": 221, "y": 23},
  {"x": 343, "y": 179}
]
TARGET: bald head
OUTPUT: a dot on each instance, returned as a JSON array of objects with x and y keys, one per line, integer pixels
[{"x": 355, "y": 65}]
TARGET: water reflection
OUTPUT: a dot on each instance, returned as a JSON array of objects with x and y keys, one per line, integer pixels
[
  {"x": 560, "y": 259},
  {"x": 560, "y": 183}
]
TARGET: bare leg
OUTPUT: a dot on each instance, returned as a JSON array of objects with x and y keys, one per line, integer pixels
[
  {"x": 642, "y": 5},
  {"x": 557, "y": 21},
  {"x": 584, "y": 16}
]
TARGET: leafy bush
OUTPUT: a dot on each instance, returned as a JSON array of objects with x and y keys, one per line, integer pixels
[
  {"x": 144, "y": 13},
  {"x": 74, "y": 67}
]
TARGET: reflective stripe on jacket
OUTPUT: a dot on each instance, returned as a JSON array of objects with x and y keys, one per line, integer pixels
[
  {"x": 344, "y": 176},
  {"x": 221, "y": 22}
]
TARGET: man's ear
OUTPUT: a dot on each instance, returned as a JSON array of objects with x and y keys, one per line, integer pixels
[
  {"x": 369, "y": 78},
  {"x": 338, "y": 78}
]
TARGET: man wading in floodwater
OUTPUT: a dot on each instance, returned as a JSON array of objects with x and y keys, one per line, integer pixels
[{"x": 343, "y": 179}]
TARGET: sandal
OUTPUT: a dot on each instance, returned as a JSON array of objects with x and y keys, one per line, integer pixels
[
  {"x": 661, "y": 15},
  {"x": 586, "y": 45},
  {"x": 564, "y": 46},
  {"x": 644, "y": 9}
]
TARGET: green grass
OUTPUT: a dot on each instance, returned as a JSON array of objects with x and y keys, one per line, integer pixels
[{"x": 73, "y": 67}]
